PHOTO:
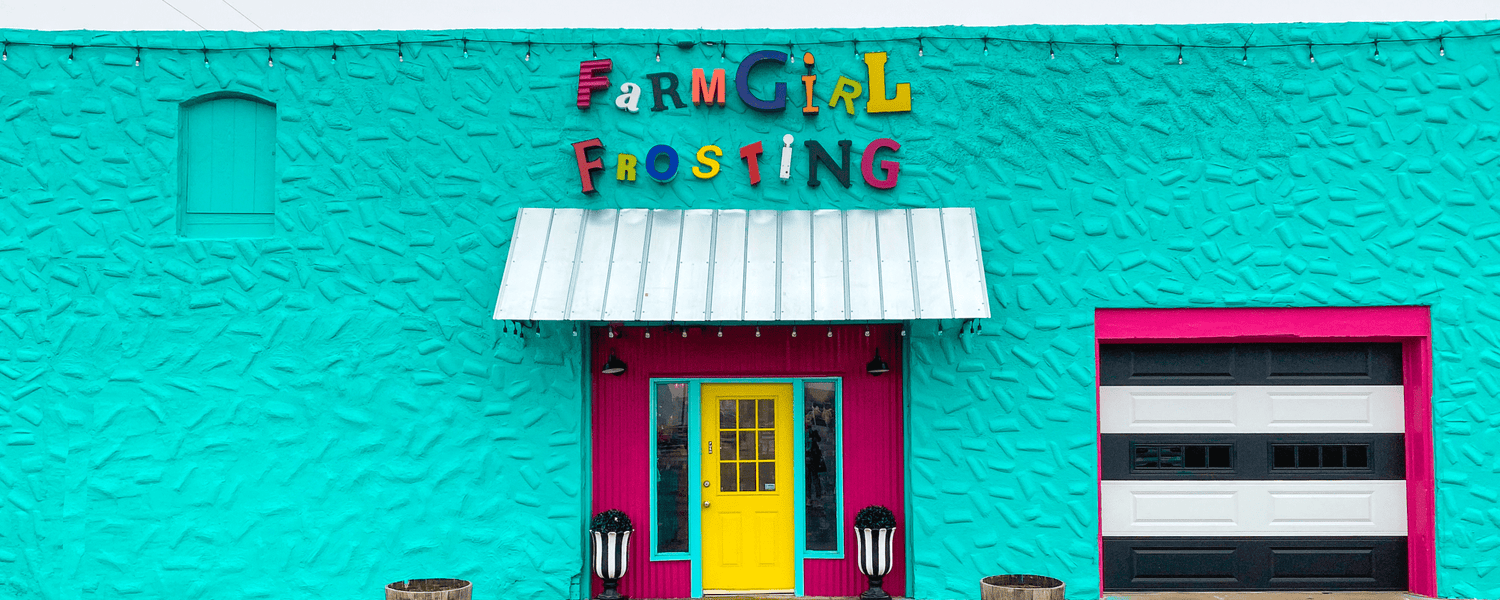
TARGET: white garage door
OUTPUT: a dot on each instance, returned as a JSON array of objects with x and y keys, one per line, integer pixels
[{"x": 1253, "y": 466}]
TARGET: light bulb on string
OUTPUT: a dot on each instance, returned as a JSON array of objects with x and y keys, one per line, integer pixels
[
  {"x": 1310, "y": 57},
  {"x": 757, "y": 331},
  {"x": 71, "y": 48},
  {"x": 5, "y": 51},
  {"x": 1245, "y": 60},
  {"x": 1377, "y": 48},
  {"x": 205, "y": 57},
  {"x": 466, "y": 47},
  {"x": 1179, "y": 54},
  {"x": 1051, "y": 51},
  {"x": 400, "y": 54},
  {"x": 986, "y": 40},
  {"x": 794, "y": 331},
  {"x": 658, "y": 52},
  {"x": 270, "y": 61},
  {"x": 137, "y": 56},
  {"x": 335, "y": 57},
  {"x": 920, "y": 51},
  {"x": 528, "y": 50},
  {"x": 1442, "y": 51}
]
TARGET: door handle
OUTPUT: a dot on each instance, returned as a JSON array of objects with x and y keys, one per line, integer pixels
[{"x": 705, "y": 504}]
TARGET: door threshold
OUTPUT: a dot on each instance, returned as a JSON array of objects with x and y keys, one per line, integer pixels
[{"x": 787, "y": 593}]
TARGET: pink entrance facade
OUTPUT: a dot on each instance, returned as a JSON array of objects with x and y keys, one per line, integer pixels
[
  {"x": 871, "y": 447},
  {"x": 1409, "y": 325}
]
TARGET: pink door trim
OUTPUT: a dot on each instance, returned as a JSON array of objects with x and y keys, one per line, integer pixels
[{"x": 1409, "y": 325}]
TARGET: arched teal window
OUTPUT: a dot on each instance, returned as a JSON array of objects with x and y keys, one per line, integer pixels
[{"x": 227, "y": 157}]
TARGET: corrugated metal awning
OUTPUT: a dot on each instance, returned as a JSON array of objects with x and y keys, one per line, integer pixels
[{"x": 743, "y": 265}]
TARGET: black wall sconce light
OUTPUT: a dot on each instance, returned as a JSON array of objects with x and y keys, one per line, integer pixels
[
  {"x": 877, "y": 366},
  {"x": 613, "y": 366}
]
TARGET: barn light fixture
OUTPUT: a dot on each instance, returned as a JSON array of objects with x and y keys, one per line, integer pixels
[
  {"x": 613, "y": 366},
  {"x": 877, "y": 366}
]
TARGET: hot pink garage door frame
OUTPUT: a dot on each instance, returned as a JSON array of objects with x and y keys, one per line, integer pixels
[
  {"x": 873, "y": 444},
  {"x": 1409, "y": 325}
]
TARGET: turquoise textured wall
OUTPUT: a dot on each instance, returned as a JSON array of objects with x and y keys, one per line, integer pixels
[{"x": 331, "y": 409}]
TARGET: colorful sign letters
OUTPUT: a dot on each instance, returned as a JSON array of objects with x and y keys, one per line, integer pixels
[{"x": 662, "y": 162}]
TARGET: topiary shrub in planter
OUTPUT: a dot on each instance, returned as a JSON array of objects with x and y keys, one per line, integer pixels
[
  {"x": 874, "y": 532},
  {"x": 609, "y": 533}
]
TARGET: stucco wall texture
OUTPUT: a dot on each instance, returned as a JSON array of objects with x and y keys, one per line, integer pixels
[{"x": 324, "y": 411}]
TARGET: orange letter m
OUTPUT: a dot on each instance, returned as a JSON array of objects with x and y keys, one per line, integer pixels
[{"x": 711, "y": 92}]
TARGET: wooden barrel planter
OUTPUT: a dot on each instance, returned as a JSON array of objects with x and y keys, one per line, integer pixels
[
  {"x": 1020, "y": 587},
  {"x": 429, "y": 589}
]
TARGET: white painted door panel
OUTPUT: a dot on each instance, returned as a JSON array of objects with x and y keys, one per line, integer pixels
[
  {"x": 1252, "y": 409},
  {"x": 1269, "y": 508}
]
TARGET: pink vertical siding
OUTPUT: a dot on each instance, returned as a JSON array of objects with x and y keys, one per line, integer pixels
[
  {"x": 1410, "y": 325},
  {"x": 872, "y": 430}
]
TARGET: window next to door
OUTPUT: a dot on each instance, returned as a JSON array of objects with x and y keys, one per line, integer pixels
[
  {"x": 820, "y": 441},
  {"x": 672, "y": 483},
  {"x": 820, "y": 477}
]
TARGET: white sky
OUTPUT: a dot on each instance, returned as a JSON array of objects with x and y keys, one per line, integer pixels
[{"x": 708, "y": 14}]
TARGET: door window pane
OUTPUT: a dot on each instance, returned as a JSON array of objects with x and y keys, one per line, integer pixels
[
  {"x": 726, "y": 445},
  {"x": 767, "y": 445},
  {"x": 726, "y": 414},
  {"x": 747, "y": 477},
  {"x": 821, "y": 455},
  {"x": 727, "y": 479},
  {"x": 672, "y": 482},
  {"x": 747, "y": 414}
]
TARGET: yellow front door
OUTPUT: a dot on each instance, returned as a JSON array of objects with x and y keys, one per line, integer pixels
[{"x": 748, "y": 488}]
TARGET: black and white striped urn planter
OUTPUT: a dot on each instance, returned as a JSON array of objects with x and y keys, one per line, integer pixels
[
  {"x": 611, "y": 556},
  {"x": 875, "y": 559}
]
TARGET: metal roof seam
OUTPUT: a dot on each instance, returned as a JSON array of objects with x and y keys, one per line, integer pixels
[
  {"x": 713, "y": 251},
  {"x": 879, "y": 265},
  {"x": 984, "y": 287},
  {"x": 640, "y": 294},
  {"x": 537, "y": 286},
  {"x": 614, "y": 238},
  {"x": 745, "y": 271},
  {"x": 848, "y": 283},
  {"x": 947, "y": 262},
  {"x": 911, "y": 250},
  {"x": 780, "y": 223}
]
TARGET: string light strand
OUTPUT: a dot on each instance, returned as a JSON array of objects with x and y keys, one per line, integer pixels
[{"x": 919, "y": 41}]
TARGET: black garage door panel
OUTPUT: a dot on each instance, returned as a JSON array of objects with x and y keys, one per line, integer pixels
[
  {"x": 1254, "y": 563},
  {"x": 1209, "y": 565},
  {"x": 1252, "y": 456},
  {"x": 1250, "y": 364}
]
